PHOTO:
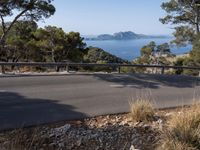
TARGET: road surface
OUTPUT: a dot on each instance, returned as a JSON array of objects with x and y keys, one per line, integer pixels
[{"x": 34, "y": 100}]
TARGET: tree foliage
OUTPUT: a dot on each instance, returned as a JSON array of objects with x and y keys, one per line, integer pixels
[
  {"x": 195, "y": 53},
  {"x": 95, "y": 55},
  {"x": 56, "y": 46},
  {"x": 163, "y": 48},
  {"x": 148, "y": 49},
  {"x": 26, "y": 42},
  {"x": 153, "y": 54},
  {"x": 21, "y": 10},
  {"x": 185, "y": 15},
  {"x": 18, "y": 41}
]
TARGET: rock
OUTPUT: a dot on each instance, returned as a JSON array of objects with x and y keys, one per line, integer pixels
[
  {"x": 78, "y": 122},
  {"x": 149, "y": 138},
  {"x": 44, "y": 145},
  {"x": 180, "y": 113},
  {"x": 6, "y": 143},
  {"x": 109, "y": 132},
  {"x": 79, "y": 142},
  {"x": 146, "y": 127},
  {"x": 133, "y": 148},
  {"x": 168, "y": 114},
  {"x": 61, "y": 145},
  {"x": 51, "y": 135},
  {"x": 159, "y": 121},
  {"x": 52, "y": 145},
  {"x": 60, "y": 130}
]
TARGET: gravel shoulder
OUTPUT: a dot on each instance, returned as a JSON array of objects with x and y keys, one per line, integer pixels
[{"x": 103, "y": 132}]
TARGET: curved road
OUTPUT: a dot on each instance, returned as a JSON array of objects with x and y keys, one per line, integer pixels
[{"x": 33, "y": 100}]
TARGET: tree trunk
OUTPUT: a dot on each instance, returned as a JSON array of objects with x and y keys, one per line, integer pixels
[
  {"x": 197, "y": 28},
  {"x": 54, "y": 60},
  {"x": 53, "y": 55},
  {"x": 5, "y": 33},
  {"x": 197, "y": 20},
  {"x": 2, "y": 49}
]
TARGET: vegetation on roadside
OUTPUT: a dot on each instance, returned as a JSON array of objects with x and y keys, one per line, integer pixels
[
  {"x": 28, "y": 43},
  {"x": 99, "y": 56},
  {"x": 95, "y": 55},
  {"x": 154, "y": 54},
  {"x": 183, "y": 130},
  {"x": 32, "y": 10},
  {"x": 22, "y": 41},
  {"x": 185, "y": 15},
  {"x": 167, "y": 129},
  {"x": 142, "y": 110}
]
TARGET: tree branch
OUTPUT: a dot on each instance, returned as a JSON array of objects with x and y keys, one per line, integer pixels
[
  {"x": 15, "y": 20},
  {"x": 3, "y": 24}
]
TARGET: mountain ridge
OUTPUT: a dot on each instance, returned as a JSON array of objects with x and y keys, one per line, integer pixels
[{"x": 127, "y": 35}]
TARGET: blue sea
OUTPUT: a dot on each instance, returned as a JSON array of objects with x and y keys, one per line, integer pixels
[{"x": 130, "y": 49}]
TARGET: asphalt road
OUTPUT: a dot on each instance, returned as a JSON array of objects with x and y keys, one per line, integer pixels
[{"x": 34, "y": 100}]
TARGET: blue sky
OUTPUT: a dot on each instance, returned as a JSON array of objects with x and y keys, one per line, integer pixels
[{"x": 92, "y": 17}]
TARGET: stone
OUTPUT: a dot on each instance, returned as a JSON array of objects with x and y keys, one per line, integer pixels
[
  {"x": 168, "y": 114},
  {"x": 52, "y": 145},
  {"x": 60, "y": 130},
  {"x": 115, "y": 133},
  {"x": 133, "y": 148},
  {"x": 61, "y": 145}
]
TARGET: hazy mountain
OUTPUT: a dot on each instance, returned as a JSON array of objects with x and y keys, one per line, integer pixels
[
  {"x": 104, "y": 37},
  {"x": 129, "y": 35}
]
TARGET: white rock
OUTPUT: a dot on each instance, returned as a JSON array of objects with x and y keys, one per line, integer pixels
[
  {"x": 133, "y": 148},
  {"x": 168, "y": 114},
  {"x": 180, "y": 113},
  {"x": 159, "y": 121}
]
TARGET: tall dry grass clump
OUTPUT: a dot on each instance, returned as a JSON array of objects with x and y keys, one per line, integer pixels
[
  {"x": 142, "y": 110},
  {"x": 23, "y": 139},
  {"x": 183, "y": 132}
]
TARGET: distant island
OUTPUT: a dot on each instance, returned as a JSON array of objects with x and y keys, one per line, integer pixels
[{"x": 129, "y": 35}]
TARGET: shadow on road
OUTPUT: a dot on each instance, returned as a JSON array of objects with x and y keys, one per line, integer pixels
[
  {"x": 17, "y": 111},
  {"x": 149, "y": 80}
]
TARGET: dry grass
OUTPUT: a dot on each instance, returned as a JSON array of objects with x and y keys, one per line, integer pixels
[
  {"x": 142, "y": 110},
  {"x": 23, "y": 139},
  {"x": 183, "y": 132},
  {"x": 175, "y": 145}
]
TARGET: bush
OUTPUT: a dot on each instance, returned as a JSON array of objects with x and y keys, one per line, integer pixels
[
  {"x": 183, "y": 131},
  {"x": 127, "y": 70},
  {"x": 142, "y": 111}
]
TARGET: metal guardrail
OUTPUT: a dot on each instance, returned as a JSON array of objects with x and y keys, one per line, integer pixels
[{"x": 67, "y": 65}]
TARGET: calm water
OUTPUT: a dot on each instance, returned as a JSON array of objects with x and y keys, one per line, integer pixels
[{"x": 130, "y": 49}]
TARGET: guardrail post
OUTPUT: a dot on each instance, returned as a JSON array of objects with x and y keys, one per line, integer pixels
[
  {"x": 163, "y": 70},
  {"x": 119, "y": 69},
  {"x": 67, "y": 68},
  {"x": 2, "y": 69}
]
